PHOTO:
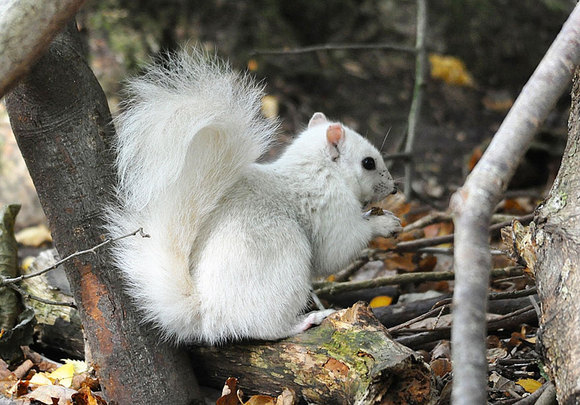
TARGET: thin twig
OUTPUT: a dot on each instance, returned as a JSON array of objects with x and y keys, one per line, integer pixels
[
  {"x": 416, "y": 103},
  {"x": 498, "y": 220},
  {"x": 536, "y": 306},
  {"x": 8, "y": 281},
  {"x": 449, "y": 251},
  {"x": 523, "y": 219},
  {"x": 433, "y": 218},
  {"x": 398, "y": 156},
  {"x": 492, "y": 323},
  {"x": 334, "y": 47},
  {"x": 410, "y": 246},
  {"x": 428, "y": 314},
  {"x": 331, "y": 288},
  {"x": 512, "y": 294},
  {"x": 345, "y": 274},
  {"x": 26, "y": 294}
]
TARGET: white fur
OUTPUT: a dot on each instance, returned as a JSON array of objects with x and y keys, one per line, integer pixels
[{"x": 233, "y": 243}]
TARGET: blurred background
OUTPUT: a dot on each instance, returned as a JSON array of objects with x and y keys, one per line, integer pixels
[{"x": 481, "y": 52}]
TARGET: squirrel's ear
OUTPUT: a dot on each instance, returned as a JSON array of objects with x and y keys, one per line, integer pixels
[
  {"x": 317, "y": 119},
  {"x": 335, "y": 135}
]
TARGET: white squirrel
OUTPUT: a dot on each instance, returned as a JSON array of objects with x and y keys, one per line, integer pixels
[{"x": 233, "y": 243}]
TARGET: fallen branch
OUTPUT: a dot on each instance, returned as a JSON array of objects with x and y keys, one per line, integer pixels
[
  {"x": 500, "y": 303},
  {"x": 330, "y": 288},
  {"x": 512, "y": 320}
]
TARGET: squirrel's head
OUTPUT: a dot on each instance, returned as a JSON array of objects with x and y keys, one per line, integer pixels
[{"x": 359, "y": 163}]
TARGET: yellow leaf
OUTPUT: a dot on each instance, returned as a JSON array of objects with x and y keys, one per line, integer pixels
[
  {"x": 252, "y": 65},
  {"x": 26, "y": 262},
  {"x": 270, "y": 106},
  {"x": 34, "y": 236},
  {"x": 79, "y": 365},
  {"x": 381, "y": 301},
  {"x": 530, "y": 385},
  {"x": 450, "y": 69},
  {"x": 63, "y": 374},
  {"x": 40, "y": 379}
]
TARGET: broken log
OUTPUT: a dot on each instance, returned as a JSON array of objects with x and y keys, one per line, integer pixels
[{"x": 349, "y": 359}]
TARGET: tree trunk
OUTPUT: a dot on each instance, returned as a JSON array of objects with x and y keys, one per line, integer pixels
[
  {"x": 63, "y": 127},
  {"x": 557, "y": 267}
]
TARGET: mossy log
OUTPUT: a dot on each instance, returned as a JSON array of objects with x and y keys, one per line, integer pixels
[{"x": 349, "y": 359}]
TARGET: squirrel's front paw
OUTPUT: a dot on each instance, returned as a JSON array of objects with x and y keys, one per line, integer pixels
[{"x": 386, "y": 225}]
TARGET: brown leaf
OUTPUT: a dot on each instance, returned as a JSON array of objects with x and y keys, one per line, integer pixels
[
  {"x": 474, "y": 158},
  {"x": 229, "y": 393},
  {"x": 52, "y": 394},
  {"x": 261, "y": 400},
  {"x": 85, "y": 397},
  {"x": 441, "y": 367}
]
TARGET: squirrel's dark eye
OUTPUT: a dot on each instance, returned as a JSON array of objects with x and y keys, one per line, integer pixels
[{"x": 369, "y": 163}]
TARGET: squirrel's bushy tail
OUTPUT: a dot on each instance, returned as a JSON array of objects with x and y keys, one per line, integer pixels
[{"x": 189, "y": 128}]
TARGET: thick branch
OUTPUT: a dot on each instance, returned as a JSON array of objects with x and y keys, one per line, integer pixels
[
  {"x": 474, "y": 202},
  {"x": 26, "y": 29}
]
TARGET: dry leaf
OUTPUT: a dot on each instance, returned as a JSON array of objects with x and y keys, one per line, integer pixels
[
  {"x": 252, "y": 65},
  {"x": 270, "y": 106},
  {"x": 288, "y": 397},
  {"x": 229, "y": 393},
  {"x": 64, "y": 375},
  {"x": 441, "y": 367},
  {"x": 261, "y": 400},
  {"x": 499, "y": 101},
  {"x": 40, "y": 379},
  {"x": 46, "y": 393},
  {"x": 85, "y": 397},
  {"x": 381, "y": 301},
  {"x": 34, "y": 236},
  {"x": 474, "y": 158},
  {"x": 529, "y": 384},
  {"x": 450, "y": 69}
]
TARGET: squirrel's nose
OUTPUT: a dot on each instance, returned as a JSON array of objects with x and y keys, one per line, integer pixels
[{"x": 395, "y": 190}]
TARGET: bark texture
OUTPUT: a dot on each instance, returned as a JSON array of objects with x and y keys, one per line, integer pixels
[
  {"x": 348, "y": 359},
  {"x": 557, "y": 267},
  {"x": 60, "y": 117},
  {"x": 26, "y": 29}
]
